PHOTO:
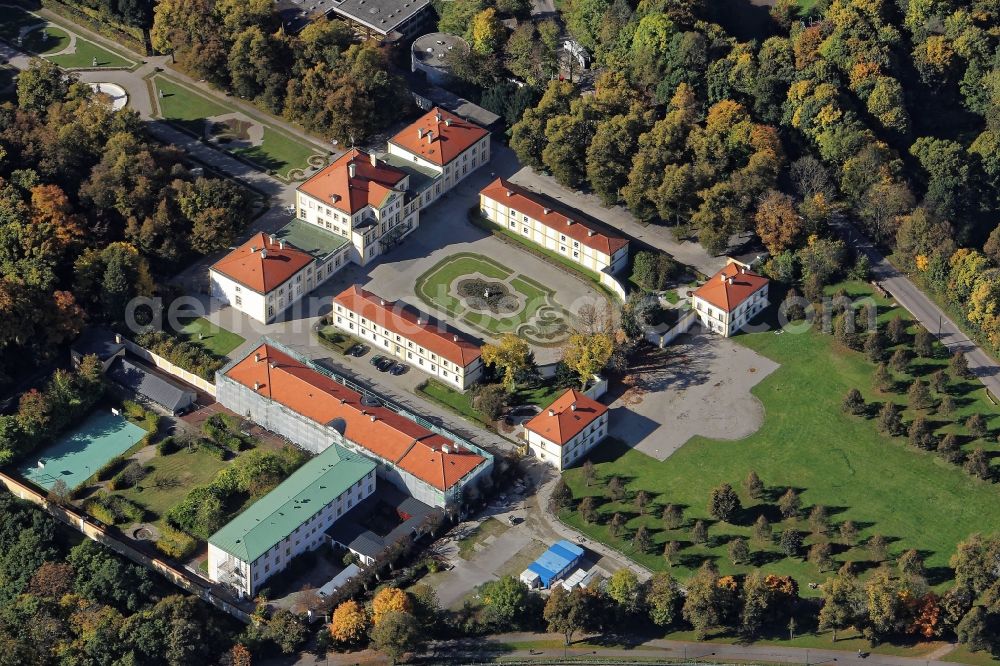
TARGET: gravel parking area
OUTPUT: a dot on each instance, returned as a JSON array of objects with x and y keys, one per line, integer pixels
[{"x": 700, "y": 385}]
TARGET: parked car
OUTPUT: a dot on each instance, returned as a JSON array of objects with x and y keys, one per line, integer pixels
[
  {"x": 385, "y": 364},
  {"x": 397, "y": 369},
  {"x": 377, "y": 359},
  {"x": 358, "y": 350}
]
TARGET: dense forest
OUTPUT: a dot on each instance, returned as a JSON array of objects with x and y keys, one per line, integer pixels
[
  {"x": 91, "y": 210},
  {"x": 881, "y": 112},
  {"x": 84, "y": 605}
]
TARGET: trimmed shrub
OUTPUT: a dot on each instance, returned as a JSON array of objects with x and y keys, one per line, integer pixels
[
  {"x": 110, "y": 468},
  {"x": 129, "y": 476},
  {"x": 213, "y": 448},
  {"x": 99, "y": 511},
  {"x": 176, "y": 544},
  {"x": 167, "y": 446}
]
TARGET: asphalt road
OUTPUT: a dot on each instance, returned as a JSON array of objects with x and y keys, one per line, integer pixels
[{"x": 926, "y": 311}]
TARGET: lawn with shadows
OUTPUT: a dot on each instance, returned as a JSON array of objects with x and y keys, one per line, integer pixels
[
  {"x": 85, "y": 55},
  {"x": 46, "y": 40},
  {"x": 914, "y": 498},
  {"x": 183, "y": 107},
  {"x": 171, "y": 477},
  {"x": 212, "y": 337}
]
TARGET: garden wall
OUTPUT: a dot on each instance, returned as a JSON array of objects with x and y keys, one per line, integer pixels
[
  {"x": 170, "y": 368},
  {"x": 85, "y": 525},
  {"x": 665, "y": 337}
]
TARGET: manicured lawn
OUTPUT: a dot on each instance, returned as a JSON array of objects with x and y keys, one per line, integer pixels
[
  {"x": 84, "y": 56},
  {"x": 172, "y": 477},
  {"x": 214, "y": 338},
  {"x": 185, "y": 107},
  {"x": 543, "y": 395},
  {"x": 279, "y": 152},
  {"x": 46, "y": 40},
  {"x": 961, "y": 655},
  {"x": 914, "y": 498},
  {"x": 433, "y": 288},
  {"x": 452, "y": 399}
]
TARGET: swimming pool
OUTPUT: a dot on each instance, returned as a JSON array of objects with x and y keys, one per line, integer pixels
[{"x": 76, "y": 455}]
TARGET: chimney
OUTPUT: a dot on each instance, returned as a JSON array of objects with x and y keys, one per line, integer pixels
[
  {"x": 373, "y": 418},
  {"x": 573, "y": 407},
  {"x": 420, "y": 321},
  {"x": 568, "y": 222},
  {"x": 253, "y": 248},
  {"x": 730, "y": 281},
  {"x": 420, "y": 133},
  {"x": 335, "y": 198},
  {"x": 263, "y": 254},
  {"x": 722, "y": 277},
  {"x": 343, "y": 401},
  {"x": 118, "y": 338},
  {"x": 351, "y": 169},
  {"x": 547, "y": 210},
  {"x": 448, "y": 122},
  {"x": 454, "y": 338},
  {"x": 381, "y": 302},
  {"x": 445, "y": 449},
  {"x": 256, "y": 386},
  {"x": 510, "y": 193},
  {"x": 281, "y": 245},
  {"x": 590, "y": 232},
  {"x": 256, "y": 358},
  {"x": 430, "y": 136},
  {"x": 437, "y": 116},
  {"x": 374, "y": 159},
  {"x": 552, "y": 412}
]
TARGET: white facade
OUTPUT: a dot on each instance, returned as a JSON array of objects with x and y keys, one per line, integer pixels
[
  {"x": 249, "y": 577},
  {"x": 452, "y": 173},
  {"x": 570, "y": 453},
  {"x": 264, "y": 307},
  {"x": 408, "y": 351},
  {"x": 726, "y": 323},
  {"x": 551, "y": 238}
]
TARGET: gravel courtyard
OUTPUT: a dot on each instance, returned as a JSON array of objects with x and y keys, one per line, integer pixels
[{"x": 700, "y": 385}]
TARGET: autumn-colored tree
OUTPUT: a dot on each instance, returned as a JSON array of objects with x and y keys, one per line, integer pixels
[
  {"x": 588, "y": 354},
  {"x": 486, "y": 31},
  {"x": 511, "y": 354},
  {"x": 390, "y": 600},
  {"x": 240, "y": 656},
  {"x": 778, "y": 223},
  {"x": 349, "y": 623}
]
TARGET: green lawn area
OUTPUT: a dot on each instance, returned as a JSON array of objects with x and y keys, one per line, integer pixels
[
  {"x": 914, "y": 498},
  {"x": 214, "y": 338},
  {"x": 543, "y": 395},
  {"x": 456, "y": 401},
  {"x": 433, "y": 286},
  {"x": 188, "y": 109},
  {"x": 46, "y": 40},
  {"x": 172, "y": 477},
  {"x": 84, "y": 56},
  {"x": 961, "y": 655}
]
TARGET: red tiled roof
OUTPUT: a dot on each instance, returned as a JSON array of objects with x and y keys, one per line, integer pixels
[
  {"x": 439, "y": 136},
  {"x": 370, "y": 185},
  {"x": 730, "y": 286},
  {"x": 562, "y": 422},
  {"x": 427, "y": 455},
  {"x": 262, "y": 265},
  {"x": 411, "y": 324},
  {"x": 534, "y": 206}
]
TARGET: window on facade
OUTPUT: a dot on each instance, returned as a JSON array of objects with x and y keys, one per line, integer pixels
[{"x": 239, "y": 300}]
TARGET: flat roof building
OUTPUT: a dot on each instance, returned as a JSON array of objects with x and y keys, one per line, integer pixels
[
  {"x": 410, "y": 335},
  {"x": 289, "y": 520},
  {"x": 389, "y": 21},
  {"x": 558, "y": 560},
  {"x": 433, "y": 55}
]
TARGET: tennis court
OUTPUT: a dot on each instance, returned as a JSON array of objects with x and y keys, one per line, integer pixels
[{"x": 81, "y": 452}]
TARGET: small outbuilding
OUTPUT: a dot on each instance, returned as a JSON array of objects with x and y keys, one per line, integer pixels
[
  {"x": 561, "y": 558},
  {"x": 99, "y": 342},
  {"x": 150, "y": 387}
]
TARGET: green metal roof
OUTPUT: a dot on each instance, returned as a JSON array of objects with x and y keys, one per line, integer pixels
[
  {"x": 420, "y": 177},
  {"x": 310, "y": 238},
  {"x": 276, "y": 515}
]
